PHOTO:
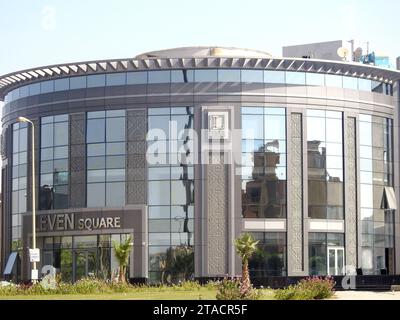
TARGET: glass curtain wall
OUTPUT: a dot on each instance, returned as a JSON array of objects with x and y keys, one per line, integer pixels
[
  {"x": 19, "y": 181},
  {"x": 324, "y": 245},
  {"x": 53, "y": 193},
  {"x": 263, "y": 162},
  {"x": 77, "y": 257},
  {"x": 269, "y": 260},
  {"x": 170, "y": 194},
  {"x": 106, "y": 148},
  {"x": 376, "y": 173},
  {"x": 325, "y": 164}
]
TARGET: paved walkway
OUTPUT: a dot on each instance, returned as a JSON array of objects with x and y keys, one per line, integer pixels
[{"x": 366, "y": 295}]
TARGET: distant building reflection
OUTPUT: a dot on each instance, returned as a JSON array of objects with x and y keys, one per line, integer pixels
[{"x": 265, "y": 195}]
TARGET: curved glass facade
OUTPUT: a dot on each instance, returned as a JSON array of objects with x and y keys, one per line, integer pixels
[
  {"x": 185, "y": 160},
  {"x": 198, "y": 75}
]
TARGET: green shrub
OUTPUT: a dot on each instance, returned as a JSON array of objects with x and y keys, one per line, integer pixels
[
  {"x": 230, "y": 290},
  {"x": 313, "y": 288},
  {"x": 90, "y": 286}
]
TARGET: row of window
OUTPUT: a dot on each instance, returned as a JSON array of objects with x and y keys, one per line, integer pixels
[
  {"x": 200, "y": 75},
  {"x": 19, "y": 181},
  {"x": 170, "y": 197},
  {"x": 263, "y": 162}
]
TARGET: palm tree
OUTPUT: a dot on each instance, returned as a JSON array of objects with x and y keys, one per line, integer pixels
[
  {"x": 122, "y": 251},
  {"x": 245, "y": 247}
]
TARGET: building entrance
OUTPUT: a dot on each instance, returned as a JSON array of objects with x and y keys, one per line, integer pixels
[
  {"x": 84, "y": 264},
  {"x": 335, "y": 261},
  {"x": 78, "y": 257}
]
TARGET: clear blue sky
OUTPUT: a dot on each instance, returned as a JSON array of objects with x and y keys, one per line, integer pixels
[{"x": 41, "y": 32}]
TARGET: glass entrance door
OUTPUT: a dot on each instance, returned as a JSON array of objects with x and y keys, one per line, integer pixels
[
  {"x": 85, "y": 263},
  {"x": 335, "y": 261}
]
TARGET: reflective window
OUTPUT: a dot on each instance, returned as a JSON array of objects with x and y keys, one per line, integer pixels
[
  {"x": 206, "y": 75},
  {"x": 136, "y": 77},
  {"x": 269, "y": 260},
  {"x": 350, "y": 83},
  {"x": 298, "y": 78},
  {"x": 325, "y": 164},
  {"x": 228, "y": 75},
  {"x": 106, "y": 139},
  {"x": 274, "y": 76},
  {"x": 47, "y": 86},
  {"x": 252, "y": 76},
  {"x": 264, "y": 162},
  {"x": 315, "y": 79},
  {"x": 333, "y": 81},
  {"x": 159, "y": 76},
  {"x": 116, "y": 79},
  {"x": 97, "y": 80},
  {"x": 201, "y": 75},
  {"x": 170, "y": 196},
  {"x": 77, "y": 82},
  {"x": 322, "y": 245},
  {"x": 182, "y": 76},
  {"x": 95, "y": 131},
  {"x": 364, "y": 85},
  {"x": 34, "y": 89},
  {"x": 376, "y": 173},
  {"x": 53, "y": 193},
  {"x": 19, "y": 182},
  {"x": 61, "y": 84}
]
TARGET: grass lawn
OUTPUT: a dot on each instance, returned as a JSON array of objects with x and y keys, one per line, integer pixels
[{"x": 201, "y": 294}]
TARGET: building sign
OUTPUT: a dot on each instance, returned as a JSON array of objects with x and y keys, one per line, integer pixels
[
  {"x": 68, "y": 222},
  {"x": 218, "y": 127},
  {"x": 34, "y": 255}
]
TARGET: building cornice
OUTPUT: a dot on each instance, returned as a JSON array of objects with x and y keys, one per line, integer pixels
[{"x": 14, "y": 80}]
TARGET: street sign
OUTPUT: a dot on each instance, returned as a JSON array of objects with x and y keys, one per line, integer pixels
[{"x": 34, "y": 255}]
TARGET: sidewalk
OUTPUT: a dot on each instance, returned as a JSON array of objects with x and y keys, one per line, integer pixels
[{"x": 366, "y": 295}]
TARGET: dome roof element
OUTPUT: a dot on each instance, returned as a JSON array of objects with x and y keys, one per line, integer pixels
[{"x": 203, "y": 52}]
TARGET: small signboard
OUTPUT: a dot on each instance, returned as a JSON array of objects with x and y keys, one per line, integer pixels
[{"x": 34, "y": 255}]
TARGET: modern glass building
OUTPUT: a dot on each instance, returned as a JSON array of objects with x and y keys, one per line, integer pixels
[{"x": 185, "y": 149}]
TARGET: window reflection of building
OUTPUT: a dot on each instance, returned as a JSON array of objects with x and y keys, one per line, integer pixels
[
  {"x": 171, "y": 198},
  {"x": 53, "y": 192},
  {"x": 263, "y": 162},
  {"x": 376, "y": 173},
  {"x": 265, "y": 195},
  {"x": 325, "y": 164}
]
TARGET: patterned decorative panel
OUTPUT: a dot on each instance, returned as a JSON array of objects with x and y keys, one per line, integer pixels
[
  {"x": 77, "y": 160},
  {"x": 137, "y": 147},
  {"x": 77, "y": 150},
  {"x": 77, "y": 194},
  {"x": 217, "y": 207},
  {"x": 3, "y": 141},
  {"x": 77, "y": 128},
  {"x": 136, "y": 157},
  {"x": 295, "y": 189},
  {"x": 136, "y": 193},
  {"x": 351, "y": 193}
]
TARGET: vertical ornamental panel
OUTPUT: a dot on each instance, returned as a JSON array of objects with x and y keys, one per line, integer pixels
[
  {"x": 351, "y": 194},
  {"x": 295, "y": 186},
  {"x": 136, "y": 158},
  {"x": 77, "y": 160},
  {"x": 217, "y": 204}
]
